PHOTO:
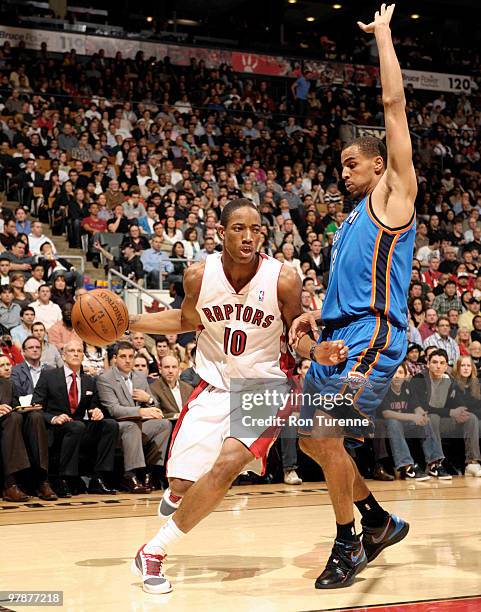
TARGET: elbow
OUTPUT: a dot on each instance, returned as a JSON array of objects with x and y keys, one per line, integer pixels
[{"x": 395, "y": 100}]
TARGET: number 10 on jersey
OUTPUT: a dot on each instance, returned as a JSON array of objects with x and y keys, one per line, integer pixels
[{"x": 234, "y": 341}]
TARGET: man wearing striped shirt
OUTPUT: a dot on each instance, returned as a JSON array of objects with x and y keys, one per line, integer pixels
[{"x": 441, "y": 339}]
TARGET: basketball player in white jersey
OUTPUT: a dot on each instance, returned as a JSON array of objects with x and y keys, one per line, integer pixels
[{"x": 241, "y": 303}]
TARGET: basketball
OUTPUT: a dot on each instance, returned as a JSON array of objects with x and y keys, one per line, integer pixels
[{"x": 100, "y": 317}]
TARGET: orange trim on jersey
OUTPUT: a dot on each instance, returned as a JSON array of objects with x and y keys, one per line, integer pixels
[
  {"x": 388, "y": 274},
  {"x": 371, "y": 344},
  {"x": 378, "y": 355},
  {"x": 373, "y": 269},
  {"x": 386, "y": 229}
]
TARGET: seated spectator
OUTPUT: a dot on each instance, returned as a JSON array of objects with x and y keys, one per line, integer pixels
[
  {"x": 95, "y": 360},
  {"x": 18, "y": 259},
  {"x": 119, "y": 224},
  {"x": 52, "y": 265},
  {"x": 35, "y": 281},
  {"x": 62, "y": 332},
  {"x": 46, "y": 311},
  {"x": 134, "y": 237},
  {"x": 403, "y": 421},
  {"x": 175, "y": 348},
  {"x": 466, "y": 318},
  {"x": 61, "y": 294},
  {"x": 21, "y": 221},
  {"x": 138, "y": 340},
  {"x": 9, "y": 311},
  {"x": 442, "y": 340},
  {"x": 191, "y": 243},
  {"x": 141, "y": 365},
  {"x": 453, "y": 316},
  {"x": 166, "y": 245},
  {"x": 463, "y": 340},
  {"x": 447, "y": 300},
  {"x": 133, "y": 208},
  {"x": 92, "y": 225},
  {"x": 125, "y": 393},
  {"x": 431, "y": 391},
  {"x": 24, "y": 329},
  {"x": 147, "y": 222},
  {"x": 50, "y": 354},
  {"x": 413, "y": 362},
  {"x": 156, "y": 264},
  {"x": 4, "y": 271},
  {"x": 476, "y": 332},
  {"x": 36, "y": 239},
  {"x": 24, "y": 442},
  {"x": 20, "y": 296},
  {"x": 25, "y": 375},
  {"x": 128, "y": 264},
  {"x": 209, "y": 248},
  {"x": 170, "y": 392},
  {"x": 428, "y": 327},
  {"x": 466, "y": 394},
  {"x": 9, "y": 234},
  {"x": 75, "y": 417}
]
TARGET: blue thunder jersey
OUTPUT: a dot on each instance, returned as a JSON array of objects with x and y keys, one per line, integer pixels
[{"x": 370, "y": 269}]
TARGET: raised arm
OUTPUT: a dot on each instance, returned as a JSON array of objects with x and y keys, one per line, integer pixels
[
  {"x": 393, "y": 198},
  {"x": 175, "y": 321}
]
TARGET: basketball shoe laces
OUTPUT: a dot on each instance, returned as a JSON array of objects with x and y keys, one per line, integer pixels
[{"x": 153, "y": 564}]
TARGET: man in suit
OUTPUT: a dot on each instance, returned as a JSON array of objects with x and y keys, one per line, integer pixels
[
  {"x": 24, "y": 442},
  {"x": 125, "y": 393},
  {"x": 170, "y": 392},
  {"x": 26, "y": 180},
  {"x": 25, "y": 375},
  {"x": 71, "y": 409}
]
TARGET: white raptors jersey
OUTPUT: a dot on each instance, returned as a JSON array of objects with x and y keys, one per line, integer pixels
[{"x": 242, "y": 334}]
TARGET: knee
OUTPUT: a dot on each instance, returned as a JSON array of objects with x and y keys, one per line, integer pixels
[
  {"x": 393, "y": 425},
  {"x": 179, "y": 487},
  {"x": 36, "y": 417},
  {"x": 110, "y": 426},
  {"x": 226, "y": 469},
  {"x": 129, "y": 428},
  {"x": 13, "y": 421},
  {"x": 323, "y": 450},
  {"x": 435, "y": 419},
  {"x": 75, "y": 428}
]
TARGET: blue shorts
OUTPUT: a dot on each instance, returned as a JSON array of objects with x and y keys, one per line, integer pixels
[{"x": 350, "y": 392}]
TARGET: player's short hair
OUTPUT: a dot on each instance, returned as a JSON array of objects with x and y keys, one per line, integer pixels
[
  {"x": 369, "y": 146},
  {"x": 234, "y": 205}
]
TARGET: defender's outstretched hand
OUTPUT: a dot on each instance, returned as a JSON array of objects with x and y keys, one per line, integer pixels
[
  {"x": 381, "y": 18},
  {"x": 331, "y": 353}
]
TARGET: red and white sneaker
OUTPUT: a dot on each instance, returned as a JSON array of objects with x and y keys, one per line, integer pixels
[{"x": 149, "y": 567}]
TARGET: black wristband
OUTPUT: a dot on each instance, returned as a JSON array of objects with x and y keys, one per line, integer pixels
[{"x": 312, "y": 357}]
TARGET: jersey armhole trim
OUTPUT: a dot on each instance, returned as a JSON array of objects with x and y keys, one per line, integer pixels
[{"x": 380, "y": 224}]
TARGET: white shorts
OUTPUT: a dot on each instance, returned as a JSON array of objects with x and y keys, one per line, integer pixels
[{"x": 203, "y": 425}]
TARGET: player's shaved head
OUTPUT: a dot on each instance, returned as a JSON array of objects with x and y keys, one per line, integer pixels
[
  {"x": 369, "y": 146},
  {"x": 234, "y": 205}
]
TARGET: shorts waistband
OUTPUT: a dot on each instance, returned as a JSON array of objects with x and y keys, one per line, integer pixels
[{"x": 346, "y": 321}]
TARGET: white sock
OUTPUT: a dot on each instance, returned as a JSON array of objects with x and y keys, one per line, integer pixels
[{"x": 166, "y": 535}]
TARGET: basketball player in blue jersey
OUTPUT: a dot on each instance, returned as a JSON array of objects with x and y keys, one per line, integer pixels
[{"x": 365, "y": 306}]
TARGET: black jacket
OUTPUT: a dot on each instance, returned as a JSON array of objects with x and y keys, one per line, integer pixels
[
  {"x": 51, "y": 392},
  {"x": 420, "y": 391}
]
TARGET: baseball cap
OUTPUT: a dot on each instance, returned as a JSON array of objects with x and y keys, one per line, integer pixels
[{"x": 463, "y": 275}]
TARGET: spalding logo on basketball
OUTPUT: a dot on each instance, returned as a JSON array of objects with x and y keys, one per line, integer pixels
[{"x": 100, "y": 317}]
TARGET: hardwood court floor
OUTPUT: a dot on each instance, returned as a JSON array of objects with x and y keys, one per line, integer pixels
[{"x": 259, "y": 552}]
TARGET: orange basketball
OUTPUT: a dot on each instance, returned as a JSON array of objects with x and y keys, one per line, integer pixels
[{"x": 100, "y": 317}]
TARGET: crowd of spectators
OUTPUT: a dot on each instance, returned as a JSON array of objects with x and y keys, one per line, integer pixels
[{"x": 144, "y": 155}]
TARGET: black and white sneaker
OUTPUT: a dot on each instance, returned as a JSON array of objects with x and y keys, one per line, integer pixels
[
  {"x": 413, "y": 472},
  {"x": 437, "y": 470},
  {"x": 346, "y": 561}
]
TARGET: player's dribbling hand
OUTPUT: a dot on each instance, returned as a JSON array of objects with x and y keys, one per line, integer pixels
[
  {"x": 301, "y": 326},
  {"x": 331, "y": 353},
  {"x": 381, "y": 18}
]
